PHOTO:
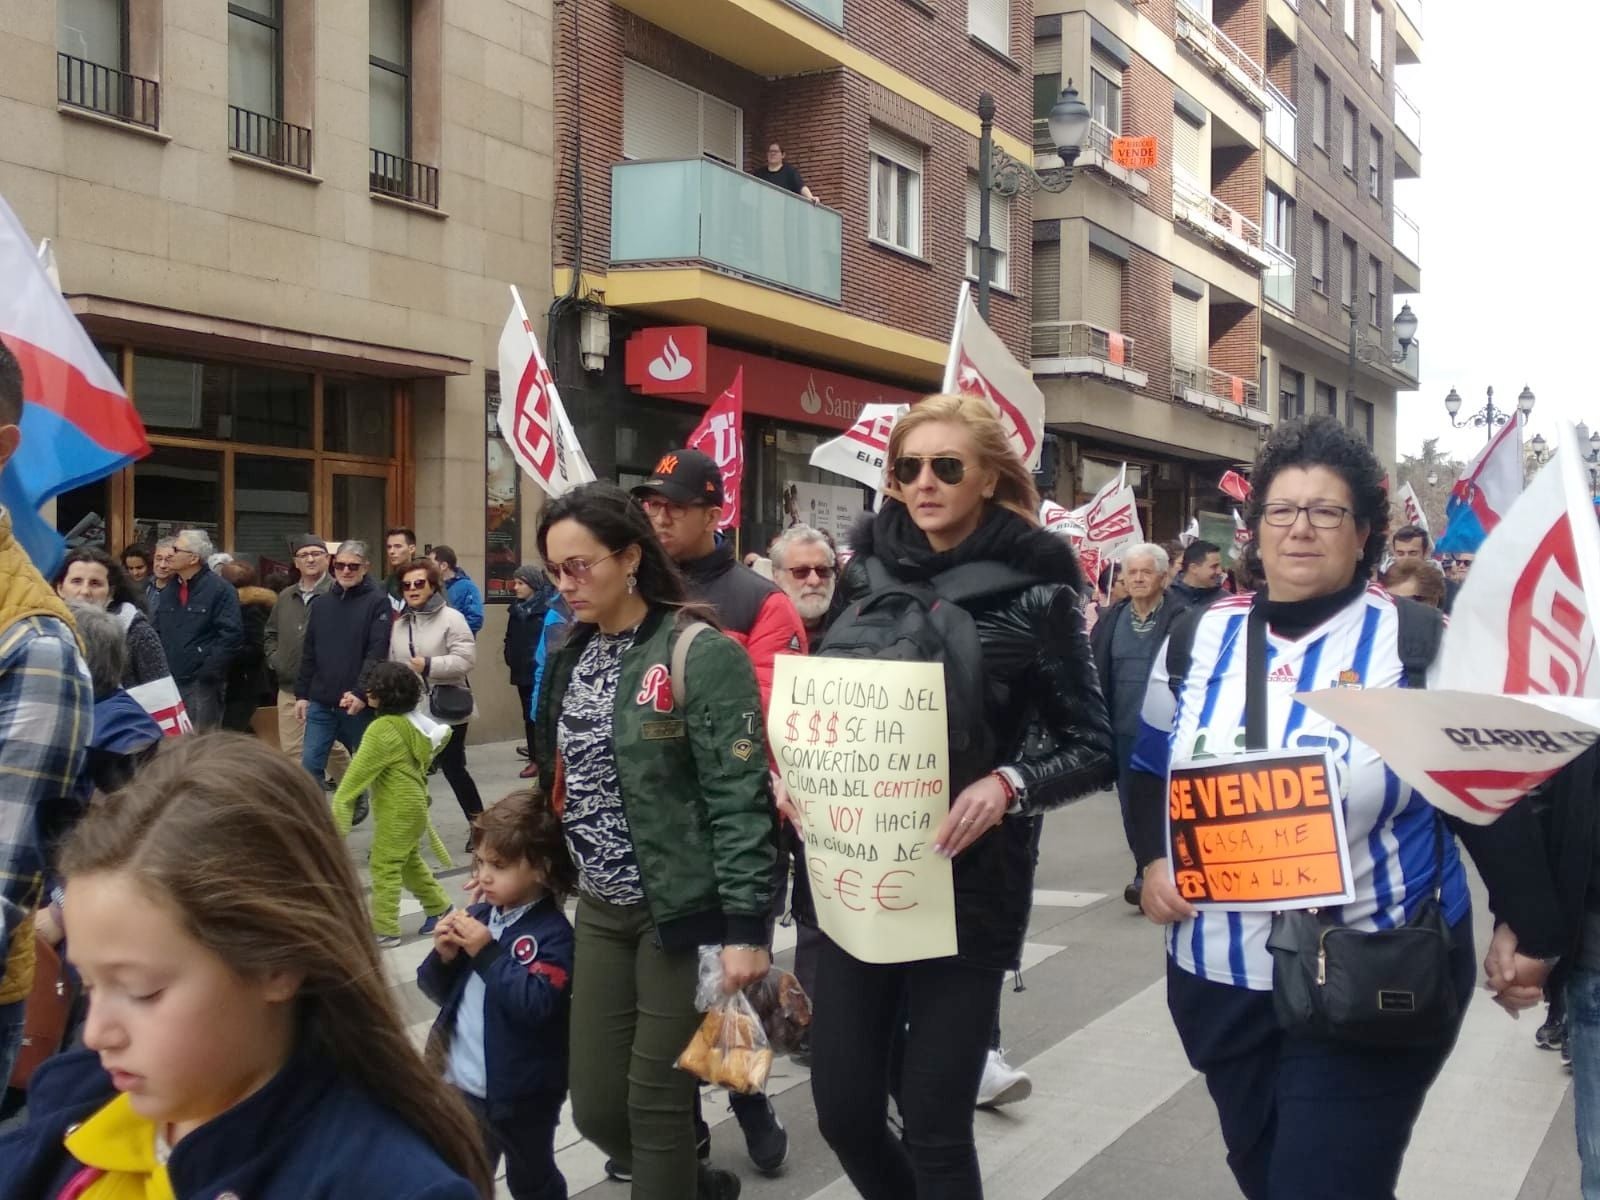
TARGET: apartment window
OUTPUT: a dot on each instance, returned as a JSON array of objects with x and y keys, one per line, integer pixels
[
  {"x": 1187, "y": 329},
  {"x": 1375, "y": 164},
  {"x": 896, "y": 195},
  {"x": 999, "y": 235},
  {"x": 97, "y": 68},
  {"x": 1186, "y": 147},
  {"x": 1361, "y": 418},
  {"x": 990, "y": 22},
  {"x": 1319, "y": 254},
  {"x": 1347, "y": 281},
  {"x": 1102, "y": 295},
  {"x": 1350, "y": 19},
  {"x": 1319, "y": 110},
  {"x": 1375, "y": 40},
  {"x": 93, "y": 31},
  {"x": 255, "y": 58},
  {"x": 1374, "y": 290},
  {"x": 1347, "y": 150},
  {"x": 1278, "y": 220},
  {"x": 1291, "y": 394},
  {"x": 662, "y": 118},
  {"x": 1105, "y": 92},
  {"x": 1327, "y": 399},
  {"x": 389, "y": 75}
]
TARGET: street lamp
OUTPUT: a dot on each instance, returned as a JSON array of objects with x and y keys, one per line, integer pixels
[
  {"x": 1488, "y": 418},
  {"x": 1540, "y": 448},
  {"x": 1405, "y": 332},
  {"x": 1001, "y": 175}
]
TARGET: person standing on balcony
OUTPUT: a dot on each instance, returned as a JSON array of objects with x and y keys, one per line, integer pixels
[{"x": 784, "y": 174}]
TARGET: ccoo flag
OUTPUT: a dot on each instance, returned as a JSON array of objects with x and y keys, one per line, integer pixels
[
  {"x": 1484, "y": 493},
  {"x": 532, "y": 418},
  {"x": 859, "y": 453},
  {"x": 77, "y": 423},
  {"x": 980, "y": 365},
  {"x": 720, "y": 437}
]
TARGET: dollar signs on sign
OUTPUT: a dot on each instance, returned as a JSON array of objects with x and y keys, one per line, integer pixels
[
  {"x": 791, "y": 732},
  {"x": 815, "y": 726},
  {"x": 833, "y": 729}
]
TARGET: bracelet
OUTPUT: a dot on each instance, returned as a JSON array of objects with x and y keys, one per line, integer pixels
[
  {"x": 745, "y": 946},
  {"x": 1006, "y": 785}
]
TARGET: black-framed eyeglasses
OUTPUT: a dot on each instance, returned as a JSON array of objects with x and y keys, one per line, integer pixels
[
  {"x": 947, "y": 468},
  {"x": 657, "y": 506},
  {"x": 577, "y": 569},
  {"x": 347, "y": 566},
  {"x": 1322, "y": 516},
  {"x": 311, "y": 554},
  {"x": 413, "y": 585},
  {"x": 801, "y": 574}
]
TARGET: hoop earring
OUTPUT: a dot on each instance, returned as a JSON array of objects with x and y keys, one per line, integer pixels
[{"x": 633, "y": 583}]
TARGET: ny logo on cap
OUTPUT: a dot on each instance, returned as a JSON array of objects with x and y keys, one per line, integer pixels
[{"x": 667, "y": 465}]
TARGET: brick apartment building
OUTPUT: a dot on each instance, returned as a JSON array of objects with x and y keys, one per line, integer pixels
[
  {"x": 1345, "y": 254},
  {"x": 668, "y": 105},
  {"x": 1151, "y": 338},
  {"x": 289, "y": 226}
]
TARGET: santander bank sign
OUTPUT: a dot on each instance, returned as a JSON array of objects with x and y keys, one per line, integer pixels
[{"x": 678, "y": 362}]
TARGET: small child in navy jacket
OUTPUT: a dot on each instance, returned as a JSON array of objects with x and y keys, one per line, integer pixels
[{"x": 501, "y": 972}]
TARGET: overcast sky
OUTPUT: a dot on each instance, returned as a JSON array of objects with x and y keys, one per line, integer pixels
[{"x": 1508, "y": 217}]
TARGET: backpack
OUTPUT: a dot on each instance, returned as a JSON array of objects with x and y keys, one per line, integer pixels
[
  {"x": 1421, "y": 631},
  {"x": 899, "y": 621}
]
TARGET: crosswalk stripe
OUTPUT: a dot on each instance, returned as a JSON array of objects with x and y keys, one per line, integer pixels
[{"x": 1049, "y": 898}]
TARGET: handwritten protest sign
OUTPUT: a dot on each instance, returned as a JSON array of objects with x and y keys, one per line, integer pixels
[
  {"x": 1258, "y": 832},
  {"x": 1470, "y": 755},
  {"x": 863, "y": 748}
]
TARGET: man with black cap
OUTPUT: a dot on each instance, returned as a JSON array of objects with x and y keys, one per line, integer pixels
[
  {"x": 286, "y": 636},
  {"x": 683, "y": 498}
]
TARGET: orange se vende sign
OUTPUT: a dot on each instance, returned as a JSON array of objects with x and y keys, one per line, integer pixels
[{"x": 1134, "y": 153}]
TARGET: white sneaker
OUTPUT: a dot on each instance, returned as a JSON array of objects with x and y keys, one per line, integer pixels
[{"x": 1002, "y": 1083}]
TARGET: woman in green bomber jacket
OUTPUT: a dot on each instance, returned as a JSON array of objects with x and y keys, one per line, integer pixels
[{"x": 664, "y": 800}]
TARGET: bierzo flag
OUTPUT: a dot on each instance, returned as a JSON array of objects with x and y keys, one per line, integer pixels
[
  {"x": 532, "y": 418},
  {"x": 720, "y": 436},
  {"x": 1485, "y": 492},
  {"x": 860, "y": 452},
  {"x": 77, "y": 423},
  {"x": 980, "y": 365},
  {"x": 1514, "y": 693}
]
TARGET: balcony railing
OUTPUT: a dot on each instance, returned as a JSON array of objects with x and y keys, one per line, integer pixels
[
  {"x": 1217, "y": 391},
  {"x": 107, "y": 91},
  {"x": 1095, "y": 156},
  {"x": 403, "y": 179},
  {"x": 831, "y": 11},
  {"x": 1236, "y": 67},
  {"x": 1280, "y": 121},
  {"x": 1413, "y": 9},
  {"x": 1407, "y": 237},
  {"x": 1080, "y": 348},
  {"x": 268, "y": 138},
  {"x": 1277, "y": 281},
  {"x": 1214, "y": 219},
  {"x": 702, "y": 211},
  {"x": 1407, "y": 117}
]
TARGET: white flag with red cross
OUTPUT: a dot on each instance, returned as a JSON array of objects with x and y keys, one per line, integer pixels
[{"x": 532, "y": 418}]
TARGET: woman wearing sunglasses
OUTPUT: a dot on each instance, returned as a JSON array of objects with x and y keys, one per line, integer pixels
[
  {"x": 958, "y": 495},
  {"x": 664, "y": 799},
  {"x": 434, "y": 641}
]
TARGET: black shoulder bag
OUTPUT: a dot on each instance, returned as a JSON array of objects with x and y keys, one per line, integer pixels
[
  {"x": 447, "y": 702},
  {"x": 1390, "y": 987}
]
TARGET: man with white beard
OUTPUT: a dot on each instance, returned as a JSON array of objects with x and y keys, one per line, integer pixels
[{"x": 805, "y": 566}]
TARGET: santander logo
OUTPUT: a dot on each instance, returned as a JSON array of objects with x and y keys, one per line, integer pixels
[
  {"x": 810, "y": 398},
  {"x": 671, "y": 364}
]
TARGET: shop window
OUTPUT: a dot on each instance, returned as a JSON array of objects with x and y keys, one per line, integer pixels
[
  {"x": 502, "y": 503},
  {"x": 271, "y": 504},
  {"x": 253, "y": 405},
  {"x": 360, "y": 509},
  {"x": 358, "y": 417},
  {"x": 176, "y": 488}
]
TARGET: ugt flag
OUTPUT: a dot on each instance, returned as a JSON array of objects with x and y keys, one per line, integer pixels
[
  {"x": 532, "y": 418},
  {"x": 77, "y": 423},
  {"x": 720, "y": 436},
  {"x": 1485, "y": 492},
  {"x": 980, "y": 365}
]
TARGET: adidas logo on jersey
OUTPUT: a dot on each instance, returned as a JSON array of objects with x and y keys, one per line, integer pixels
[{"x": 1284, "y": 673}]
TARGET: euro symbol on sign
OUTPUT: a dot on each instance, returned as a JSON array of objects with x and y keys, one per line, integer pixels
[
  {"x": 851, "y": 878},
  {"x": 886, "y": 891}
]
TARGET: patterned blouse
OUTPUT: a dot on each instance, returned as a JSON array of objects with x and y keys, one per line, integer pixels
[{"x": 596, "y": 826}]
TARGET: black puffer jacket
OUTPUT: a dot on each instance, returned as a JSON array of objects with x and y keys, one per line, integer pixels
[{"x": 1043, "y": 704}]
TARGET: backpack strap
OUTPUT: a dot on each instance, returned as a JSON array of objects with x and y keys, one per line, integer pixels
[
  {"x": 1421, "y": 631},
  {"x": 974, "y": 580},
  {"x": 680, "y": 659},
  {"x": 1180, "y": 647}
]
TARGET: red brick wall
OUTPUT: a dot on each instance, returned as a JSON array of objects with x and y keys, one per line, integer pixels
[
  {"x": 822, "y": 121},
  {"x": 1236, "y": 340},
  {"x": 1238, "y": 179},
  {"x": 1147, "y": 112},
  {"x": 1245, "y": 24},
  {"x": 1147, "y": 315}
]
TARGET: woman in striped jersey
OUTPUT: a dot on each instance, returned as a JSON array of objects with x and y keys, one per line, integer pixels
[{"x": 1305, "y": 1118}]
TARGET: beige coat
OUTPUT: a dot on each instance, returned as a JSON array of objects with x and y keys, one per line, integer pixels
[{"x": 440, "y": 635}]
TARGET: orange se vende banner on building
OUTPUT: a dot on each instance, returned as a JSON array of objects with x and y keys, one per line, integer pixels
[{"x": 1258, "y": 832}]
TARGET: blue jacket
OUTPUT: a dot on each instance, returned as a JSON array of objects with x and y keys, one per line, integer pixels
[
  {"x": 463, "y": 596},
  {"x": 527, "y": 978},
  {"x": 556, "y": 619},
  {"x": 308, "y": 1135},
  {"x": 201, "y": 637}
]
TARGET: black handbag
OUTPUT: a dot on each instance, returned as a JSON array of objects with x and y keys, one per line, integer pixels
[
  {"x": 1390, "y": 987},
  {"x": 448, "y": 702}
]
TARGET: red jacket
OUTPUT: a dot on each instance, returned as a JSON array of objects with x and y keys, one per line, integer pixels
[{"x": 753, "y": 611}]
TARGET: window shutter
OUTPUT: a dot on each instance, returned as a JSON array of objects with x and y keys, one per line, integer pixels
[
  {"x": 1103, "y": 299},
  {"x": 1186, "y": 329},
  {"x": 990, "y": 21},
  {"x": 1047, "y": 282},
  {"x": 1047, "y": 56},
  {"x": 882, "y": 143},
  {"x": 1186, "y": 148},
  {"x": 721, "y": 131},
  {"x": 660, "y": 117}
]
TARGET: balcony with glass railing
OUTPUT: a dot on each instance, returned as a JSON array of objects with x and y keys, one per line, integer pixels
[
  {"x": 1408, "y": 33},
  {"x": 1279, "y": 121},
  {"x": 1217, "y": 222},
  {"x": 1408, "y": 145},
  {"x": 1082, "y": 348},
  {"x": 1407, "y": 236},
  {"x": 1221, "y": 54},
  {"x": 1277, "y": 280},
  {"x": 1228, "y": 396},
  {"x": 700, "y": 211}
]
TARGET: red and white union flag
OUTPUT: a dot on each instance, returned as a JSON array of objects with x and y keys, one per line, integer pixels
[
  {"x": 532, "y": 418},
  {"x": 720, "y": 436},
  {"x": 859, "y": 452},
  {"x": 980, "y": 365}
]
